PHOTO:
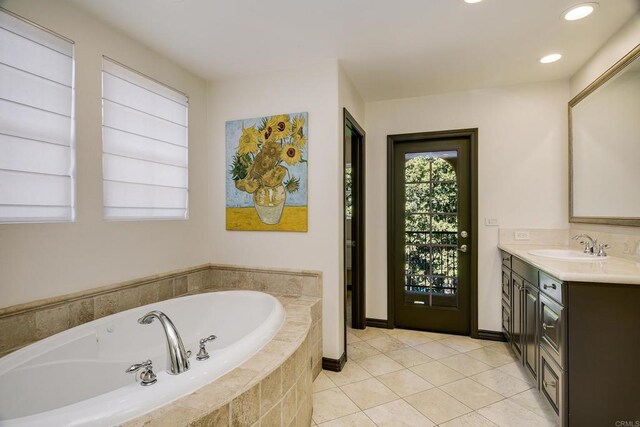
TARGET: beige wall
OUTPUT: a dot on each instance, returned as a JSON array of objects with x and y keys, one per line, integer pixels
[
  {"x": 42, "y": 260},
  {"x": 522, "y": 171},
  {"x": 313, "y": 89},
  {"x": 618, "y": 45}
]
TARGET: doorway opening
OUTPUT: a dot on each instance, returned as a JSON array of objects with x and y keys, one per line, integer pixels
[
  {"x": 354, "y": 227},
  {"x": 432, "y": 231}
]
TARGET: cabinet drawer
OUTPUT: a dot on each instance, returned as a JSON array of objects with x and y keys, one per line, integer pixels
[
  {"x": 552, "y": 328},
  {"x": 506, "y": 259},
  {"x": 552, "y": 382},
  {"x": 550, "y": 286},
  {"x": 506, "y": 285}
]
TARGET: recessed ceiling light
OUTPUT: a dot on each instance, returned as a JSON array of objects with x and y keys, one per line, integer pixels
[
  {"x": 579, "y": 11},
  {"x": 472, "y": 1},
  {"x": 550, "y": 58}
]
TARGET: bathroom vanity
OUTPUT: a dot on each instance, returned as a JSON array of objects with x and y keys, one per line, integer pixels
[{"x": 575, "y": 326}]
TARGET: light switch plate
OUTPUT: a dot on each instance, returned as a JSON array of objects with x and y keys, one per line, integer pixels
[
  {"x": 491, "y": 222},
  {"x": 521, "y": 235}
]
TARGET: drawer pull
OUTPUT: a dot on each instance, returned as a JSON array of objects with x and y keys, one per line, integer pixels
[
  {"x": 551, "y": 384},
  {"x": 552, "y": 286},
  {"x": 545, "y": 326}
]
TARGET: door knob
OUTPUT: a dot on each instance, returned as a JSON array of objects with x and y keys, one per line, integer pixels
[{"x": 463, "y": 248}]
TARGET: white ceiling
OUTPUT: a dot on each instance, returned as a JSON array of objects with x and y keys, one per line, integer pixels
[{"x": 389, "y": 48}]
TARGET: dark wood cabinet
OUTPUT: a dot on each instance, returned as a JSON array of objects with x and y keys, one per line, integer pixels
[
  {"x": 530, "y": 323},
  {"x": 580, "y": 341},
  {"x": 517, "y": 294}
]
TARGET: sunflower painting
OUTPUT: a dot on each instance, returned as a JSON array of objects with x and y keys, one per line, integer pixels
[{"x": 267, "y": 160}]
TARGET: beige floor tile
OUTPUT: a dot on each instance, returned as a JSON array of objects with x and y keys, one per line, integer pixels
[
  {"x": 436, "y": 336},
  {"x": 369, "y": 393},
  {"x": 414, "y": 338},
  {"x": 437, "y": 405},
  {"x": 436, "y": 373},
  {"x": 398, "y": 414},
  {"x": 516, "y": 370},
  {"x": 359, "y": 419},
  {"x": 385, "y": 344},
  {"x": 507, "y": 413},
  {"x": 501, "y": 382},
  {"x": 536, "y": 403},
  {"x": 394, "y": 332},
  {"x": 409, "y": 357},
  {"x": 436, "y": 350},
  {"x": 331, "y": 404},
  {"x": 368, "y": 333},
  {"x": 502, "y": 347},
  {"x": 379, "y": 365},
  {"x": 471, "y": 393},
  {"x": 491, "y": 355},
  {"x": 473, "y": 419},
  {"x": 405, "y": 382},
  {"x": 462, "y": 344},
  {"x": 351, "y": 373},
  {"x": 322, "y": 382},
  {"x": 352, "y": 338},
  {"x": 360, "y": 350},
  {"x": 465, "y": 365}
]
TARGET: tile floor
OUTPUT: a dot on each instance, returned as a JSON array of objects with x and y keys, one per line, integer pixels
[{"x": 409, "y": 378}]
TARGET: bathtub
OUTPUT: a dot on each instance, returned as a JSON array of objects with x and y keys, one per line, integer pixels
[{"x": 77, "y": 377}]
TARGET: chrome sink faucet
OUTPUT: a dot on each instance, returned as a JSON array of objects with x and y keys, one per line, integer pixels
[
  {"x": 178, "y": 357},
  {"x": 590, "y": 245}
]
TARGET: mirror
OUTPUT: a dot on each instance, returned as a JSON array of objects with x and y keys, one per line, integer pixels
[{"x": 604, "y": 147}]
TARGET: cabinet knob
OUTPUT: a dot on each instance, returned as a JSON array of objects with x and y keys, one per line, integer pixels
[{"x": 549, "y": 384}]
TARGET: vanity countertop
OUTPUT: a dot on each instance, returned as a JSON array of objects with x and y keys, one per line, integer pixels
[{"x": 610, "y": 270}]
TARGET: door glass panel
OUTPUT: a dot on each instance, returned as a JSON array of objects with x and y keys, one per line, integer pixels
[{"x": 431, "y": 228}]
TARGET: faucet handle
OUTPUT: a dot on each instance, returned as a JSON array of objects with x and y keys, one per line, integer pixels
[
  {"x": 203, "y": 354},
  {"x": 147, "y": 377},
  {"x": 601, "y": 249}
]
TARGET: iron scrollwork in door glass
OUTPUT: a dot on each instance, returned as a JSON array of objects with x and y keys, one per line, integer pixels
[{"x": 431, "y": 227}]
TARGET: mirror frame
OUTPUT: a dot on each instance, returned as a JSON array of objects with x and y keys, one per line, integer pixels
[{"x": 596, "y": 84}]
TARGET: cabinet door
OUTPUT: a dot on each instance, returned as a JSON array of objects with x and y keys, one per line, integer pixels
[
  {"x": 531, "y": 328},
  {"x": 506, "y": 285},
  {"x": 516, "y": 313}
]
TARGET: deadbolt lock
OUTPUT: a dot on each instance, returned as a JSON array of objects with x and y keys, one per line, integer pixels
[{"x": 464, "y": 234}]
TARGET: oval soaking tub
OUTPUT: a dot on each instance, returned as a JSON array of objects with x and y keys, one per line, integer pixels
[{"x": 77, "y": 377}]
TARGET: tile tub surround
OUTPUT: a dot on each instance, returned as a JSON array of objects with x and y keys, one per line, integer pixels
[
  {"x": 23, "y": 324},
  {"x": 474, "y": 383},
  {"x": 272, "y": 388}
]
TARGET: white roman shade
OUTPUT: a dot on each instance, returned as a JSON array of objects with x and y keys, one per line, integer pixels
[
  {"x": 144, "y": 146},
  {"x": 37, "y": 147}
]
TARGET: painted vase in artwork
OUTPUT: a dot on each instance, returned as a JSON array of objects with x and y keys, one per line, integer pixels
[{"x": 269, "y": 203}]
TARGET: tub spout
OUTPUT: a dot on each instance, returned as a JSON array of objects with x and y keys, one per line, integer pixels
[{"x": 178, "y": 357}]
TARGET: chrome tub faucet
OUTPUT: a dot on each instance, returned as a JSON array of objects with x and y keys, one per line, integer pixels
[{"x": 178, "y": 356}]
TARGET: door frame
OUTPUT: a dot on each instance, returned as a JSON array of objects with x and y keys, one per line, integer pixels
[
  {"x": 392, "y": 140},
  {"x": 358, "y": 300}
]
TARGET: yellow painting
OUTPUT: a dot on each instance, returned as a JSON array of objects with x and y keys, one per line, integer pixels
[{"x": 266, "y": 183}]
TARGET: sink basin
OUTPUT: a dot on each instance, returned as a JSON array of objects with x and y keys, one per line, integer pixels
[{"x": 566, "y": 255}]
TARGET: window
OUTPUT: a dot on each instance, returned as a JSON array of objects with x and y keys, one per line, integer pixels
[
  {"x": 144, "y": 146},
  {"x": 37, "y": 141}
]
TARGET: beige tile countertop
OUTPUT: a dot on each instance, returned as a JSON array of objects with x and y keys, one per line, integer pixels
[{"x": 610, "y": 270}]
